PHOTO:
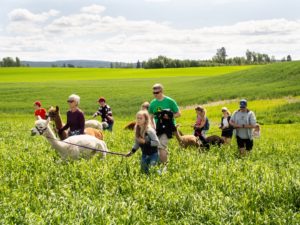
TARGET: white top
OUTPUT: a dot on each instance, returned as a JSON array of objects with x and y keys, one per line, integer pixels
[{"x": 225, "y": 123}]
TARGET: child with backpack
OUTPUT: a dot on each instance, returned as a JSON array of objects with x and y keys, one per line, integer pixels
[{"x": 202, "y": 123}]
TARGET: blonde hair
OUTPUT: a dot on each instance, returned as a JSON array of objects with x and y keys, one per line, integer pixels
[
  {"x": 145, "y": 106},
  {"x": 228, "y": 112},
  {"x": 201, "y": 109},
  {"x": 158, "y": 87},
  {"x": 140, "y": 131}
]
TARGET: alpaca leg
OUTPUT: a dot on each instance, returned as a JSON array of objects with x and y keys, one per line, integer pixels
[{"x": 204, "y": 142}]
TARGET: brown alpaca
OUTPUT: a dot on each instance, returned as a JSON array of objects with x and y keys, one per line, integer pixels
[
  {"x": 215, "y": 140},
  {"x": 130, "y": 126},
  {"x": 54, "y": 115},
  {"x": 211, "y": 140},
  {"x": 186, "y": 140}
]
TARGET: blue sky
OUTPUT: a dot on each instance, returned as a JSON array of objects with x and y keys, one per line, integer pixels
[{"x": 137, "y": 30}]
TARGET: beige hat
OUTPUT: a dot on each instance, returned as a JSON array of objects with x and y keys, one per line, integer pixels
[{"x": 224, "y": 109}]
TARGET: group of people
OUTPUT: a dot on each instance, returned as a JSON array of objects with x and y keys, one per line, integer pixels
[
  {"x": 75, "y": 117},
  {"x": 155, "y": 124}
]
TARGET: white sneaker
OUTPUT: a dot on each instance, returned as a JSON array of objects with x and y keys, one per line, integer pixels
[
  {"x": 159, "y": 172},
  {"x": 162, "y": 171}
]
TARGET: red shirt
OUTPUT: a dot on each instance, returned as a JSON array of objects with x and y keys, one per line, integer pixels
[{"x": 41, "y": 112}]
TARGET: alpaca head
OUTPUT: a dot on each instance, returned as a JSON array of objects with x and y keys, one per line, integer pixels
[
  {"x": 53, "y": 112},
  {"x": 40, "y": 126}
]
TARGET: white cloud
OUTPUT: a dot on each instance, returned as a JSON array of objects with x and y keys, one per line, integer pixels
[
  {"x": 91, "y": 35},
  {"x": 21, "y": 15},
  {"x": 94, "y": 9}
]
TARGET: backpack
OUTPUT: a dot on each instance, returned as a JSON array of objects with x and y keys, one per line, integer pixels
[{"x": 206, "y": 125}]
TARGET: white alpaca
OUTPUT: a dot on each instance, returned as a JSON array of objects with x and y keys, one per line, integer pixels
[
  {"x": 69, "y": 148},
  {"x": 95, "y": 124}
]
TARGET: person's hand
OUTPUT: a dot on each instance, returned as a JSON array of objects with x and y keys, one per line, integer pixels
[
  {"x": 166, "y": 117},
  {"x": 141, "y": 140},
  {"x": 128, "y": 154},
  {"x": 196, "y": 126}
]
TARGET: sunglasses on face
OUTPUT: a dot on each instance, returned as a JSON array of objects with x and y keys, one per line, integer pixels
[
  {"x": 70, "y": 101},
  {"x": 156, "y": 92}
]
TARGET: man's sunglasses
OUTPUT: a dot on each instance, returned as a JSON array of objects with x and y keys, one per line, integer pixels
[
  {"x": 70, "y": 101},
  {"x": 156, "y": 92}
]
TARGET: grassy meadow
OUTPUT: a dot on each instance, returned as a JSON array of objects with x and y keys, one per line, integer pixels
[{"x": 215, "y": 187}]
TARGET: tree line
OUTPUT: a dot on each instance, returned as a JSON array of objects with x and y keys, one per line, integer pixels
[
  {"x": 11, "y": 62},
  {"x": 219, "y": 59}
]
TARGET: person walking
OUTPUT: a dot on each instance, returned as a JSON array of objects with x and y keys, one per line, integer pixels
[
  {"x": 163, "y": 110},
  {"x": 243, "y": 120},
  {"x": 201, "y": 125},
  {"x": 106, "y": 114},
  {"x": 146, "y": 139},
  {"x": 39, "y": 111},
  {"x": 75, "y": 117},
  {"x": 227, "y": 129}
]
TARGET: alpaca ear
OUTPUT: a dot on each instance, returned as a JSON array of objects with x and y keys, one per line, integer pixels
[
  {"x": 39, "y": 118},
  {"x": 48, "y": 120},
  {"x": 57, "y": 108}
]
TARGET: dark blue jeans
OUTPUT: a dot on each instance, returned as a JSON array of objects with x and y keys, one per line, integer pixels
[
  {"x": 110, "y": 127},
  {"x": 147, "y": 161}
]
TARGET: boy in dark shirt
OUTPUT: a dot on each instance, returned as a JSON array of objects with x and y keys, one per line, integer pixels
[{"x": 106, "y": 114}]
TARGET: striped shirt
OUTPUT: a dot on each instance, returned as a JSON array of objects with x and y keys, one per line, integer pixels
[{"x": 106, "y": 114}]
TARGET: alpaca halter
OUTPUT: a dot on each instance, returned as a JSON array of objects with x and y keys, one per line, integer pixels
[{"x": 41, "y": 131}]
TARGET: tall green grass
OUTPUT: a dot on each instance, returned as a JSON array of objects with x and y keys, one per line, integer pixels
[{"x": 214, "y": 187}]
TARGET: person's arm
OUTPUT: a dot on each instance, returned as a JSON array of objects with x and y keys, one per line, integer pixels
[
  {"x": 134, "y": 148},
  {"x": 153, "y": 139},
  {"x": 252, "y": 121},
  {"x": 81, "y": 122},
  {"x": 36, "y": 114},
  {"x": 98, "y": 112},
  {"x": 175, "y": 109},
  {"x": 233, "y": 123},
  {"x": 202, "y": 124},
  {"x": 109, "y": 113},
  {"x": 221, "y": 124},
  {"x": 66, "y": 126},
  {"x": 178, "y": 114}
]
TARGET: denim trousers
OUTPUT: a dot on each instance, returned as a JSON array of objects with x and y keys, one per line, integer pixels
[{"x": 148, "y": 160}]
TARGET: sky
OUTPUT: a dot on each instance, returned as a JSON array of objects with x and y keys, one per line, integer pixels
[{"x": 131, "y": 30}]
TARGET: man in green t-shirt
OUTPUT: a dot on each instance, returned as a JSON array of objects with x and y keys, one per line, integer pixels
[{"x": 162, "y": 102}]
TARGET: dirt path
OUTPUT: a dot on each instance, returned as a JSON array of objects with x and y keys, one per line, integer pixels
[{"x": 289, "y": 99}]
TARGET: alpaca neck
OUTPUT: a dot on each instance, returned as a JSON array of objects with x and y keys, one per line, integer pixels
[
  {"x": 58, "y": 122},
  {"x": 51, "y": 138},
  {"x": 178, "y": 136}
]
